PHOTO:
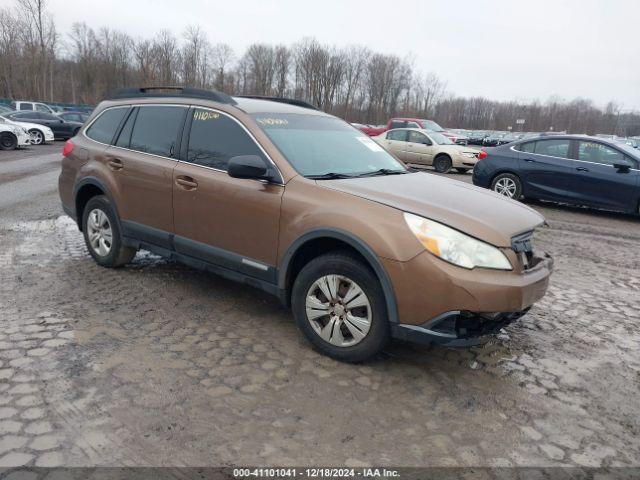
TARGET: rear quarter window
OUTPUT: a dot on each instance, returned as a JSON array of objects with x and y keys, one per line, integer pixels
[{"x": 105, "y": 126}]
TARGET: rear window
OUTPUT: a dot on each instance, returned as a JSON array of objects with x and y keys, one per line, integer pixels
[
  {"x": 104, "y": 128},
  {"x": 156, "y": 130}
]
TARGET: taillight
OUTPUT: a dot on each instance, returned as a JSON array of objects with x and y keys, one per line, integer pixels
[
  {"x": 482, "y": 154},
  {"x": 68, "y": 148}
]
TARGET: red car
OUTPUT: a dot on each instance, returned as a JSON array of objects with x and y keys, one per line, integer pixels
[{"x": 415, "y": 123}]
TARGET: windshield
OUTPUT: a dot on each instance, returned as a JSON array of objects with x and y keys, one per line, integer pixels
[
  {"x": 431, "y": 125},
  {"x": 440, "y": 139},
  {"x": 316, "y": 145}
]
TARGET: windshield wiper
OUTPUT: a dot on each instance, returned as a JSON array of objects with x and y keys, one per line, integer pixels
[
  {"x": 329, "y": 176},
  {"x": 382, "y": 171}
]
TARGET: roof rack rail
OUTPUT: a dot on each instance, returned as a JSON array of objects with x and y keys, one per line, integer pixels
[
  {"x": 290, "y": 101},
  {"x": 170, "y": 91}
]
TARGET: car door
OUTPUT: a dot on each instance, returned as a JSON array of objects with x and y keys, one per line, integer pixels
[
  {"x": 547, "y": 170},
  {"x": 141, "y": 163},
  {"x": 605, "y": 177},
  {"x": 230, "y": 222},
  {"x": 396, "y": 142},
  {"x": 419, "y": 148},
  {"x": 59, "y": 127}
]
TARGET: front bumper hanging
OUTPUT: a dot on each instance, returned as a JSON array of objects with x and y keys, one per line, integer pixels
[{"x": 456, "y": 329}]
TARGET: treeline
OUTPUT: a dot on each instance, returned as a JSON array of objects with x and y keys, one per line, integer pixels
[{"x": 354, "y": 82}]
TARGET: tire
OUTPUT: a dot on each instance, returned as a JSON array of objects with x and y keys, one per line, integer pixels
[
  {"x": 37, "y": 137},
  {"x": 102, "y": 234},
  {"x": 507, "y": 184},
  {"x": 368, "y": 321},
  {"x": 462, "y": 170},
  {"x": 8, "y": 141},
  {"x": 442, "y": 164}
]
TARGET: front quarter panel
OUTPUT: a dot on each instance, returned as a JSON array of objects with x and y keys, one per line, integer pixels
[{"x": 308, "y": 206}]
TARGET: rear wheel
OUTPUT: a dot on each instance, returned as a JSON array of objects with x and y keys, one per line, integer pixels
[
  {"x": 507, "y": 184},
  {"x": 338, "y": 303},
  {"x": 442, "y": 163},
  {"x": 37, "y": 137},
  {"x": 102, "y": 234},
  {"x": 8, "y": 141}
]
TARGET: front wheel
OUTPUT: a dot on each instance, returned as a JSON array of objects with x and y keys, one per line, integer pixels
[
  {"x": 8, "y": 141},
  {"x": 37, "y": 137},
  {"x": 102, "y": 234},
  {"x": 339, "y": 305},
  {"x": 442, "y": 164},
  {"x": 507, "y": 184}
]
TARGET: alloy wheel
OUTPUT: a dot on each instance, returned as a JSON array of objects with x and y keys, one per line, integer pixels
[
  {"x": 506, "y": 186},
  {"x": 338, "y": 310},
  {"x": 36, "y": 137},
  {"x": 99, "y": 232}
]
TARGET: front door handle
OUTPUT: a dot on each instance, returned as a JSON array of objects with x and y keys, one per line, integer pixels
[
  {"x": 530, "y": 160},
  {"x": 115, "y": 164},
  {"x": 186, "y": 183},
  {"x": 582, "y": 169}
]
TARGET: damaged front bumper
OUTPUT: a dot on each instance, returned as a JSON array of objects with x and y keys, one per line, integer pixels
[{"x": 457, "y": 328}]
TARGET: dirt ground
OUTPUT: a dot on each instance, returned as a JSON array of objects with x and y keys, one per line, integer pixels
[{"x": 159, "y": 364}]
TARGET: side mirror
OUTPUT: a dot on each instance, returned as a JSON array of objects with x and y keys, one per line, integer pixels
[
  {"x": 249, "y": 166},
  {"x": 622, "y": 167}
]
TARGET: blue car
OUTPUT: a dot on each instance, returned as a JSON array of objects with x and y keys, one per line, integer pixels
[{"x": 573, "y": 169}]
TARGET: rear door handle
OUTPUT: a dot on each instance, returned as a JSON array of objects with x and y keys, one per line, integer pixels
[
  {"x": 582, "y": 169},
  {"x": 186, "y": 183},
  {"x": 530, "y": 160},
  {"x": 115, "y": 164}
]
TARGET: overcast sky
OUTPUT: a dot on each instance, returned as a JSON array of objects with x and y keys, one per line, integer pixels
[{"x": 498, "y": 49}]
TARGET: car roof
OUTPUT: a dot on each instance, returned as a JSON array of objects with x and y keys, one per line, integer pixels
[{"x": 258, "y": 105}]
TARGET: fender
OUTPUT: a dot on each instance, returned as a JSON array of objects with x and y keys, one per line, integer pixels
[
  {"x": 353, "y": 241},
  {"x": 97, "y": 183}
]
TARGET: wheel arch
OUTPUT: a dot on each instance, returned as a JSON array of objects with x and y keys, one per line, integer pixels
[
  {"x": 314, "y": 243},
  {"x": 84, "y": 191}
]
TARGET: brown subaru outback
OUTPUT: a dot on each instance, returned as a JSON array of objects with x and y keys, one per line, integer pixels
[{"x": 288, "y": 199}]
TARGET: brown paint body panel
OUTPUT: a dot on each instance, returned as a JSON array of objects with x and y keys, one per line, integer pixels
[
  {"x": 259, "y": 222},
  {"x": 237, "y": 215}
]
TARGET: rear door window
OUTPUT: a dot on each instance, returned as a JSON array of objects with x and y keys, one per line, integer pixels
[
  {"x": 553, "y": 148},
  {"x": 26, "y": 106},
  {"x": 104, "y": 128},
  {"x": 156, "y": 129},
  {"x": 528, "y": 147},
  {"x": 399, "y": 135},
  {"x": 215, "y": 138},
  {"x": 124, "y": 139}
]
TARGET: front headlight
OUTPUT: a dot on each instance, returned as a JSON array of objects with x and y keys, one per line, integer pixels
[{"x": 455, "y": 247}]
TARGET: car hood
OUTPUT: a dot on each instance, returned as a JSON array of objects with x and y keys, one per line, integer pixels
[{"x": 475, "y": 211}]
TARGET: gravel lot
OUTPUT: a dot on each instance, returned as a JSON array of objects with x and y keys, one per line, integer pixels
[{"x": 160, "y": 364}]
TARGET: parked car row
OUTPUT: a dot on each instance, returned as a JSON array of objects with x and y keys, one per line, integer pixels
[
  {"x": 41, "y": 122},
  {"x": 421, "y": 123}
]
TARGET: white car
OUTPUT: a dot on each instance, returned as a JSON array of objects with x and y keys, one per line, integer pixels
[
  {"x": 13, "y": 136},
  {"x": 37, "y": 106},
  {"x": 424, "y": 147},
  {"x": 39, "y": 133}
]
